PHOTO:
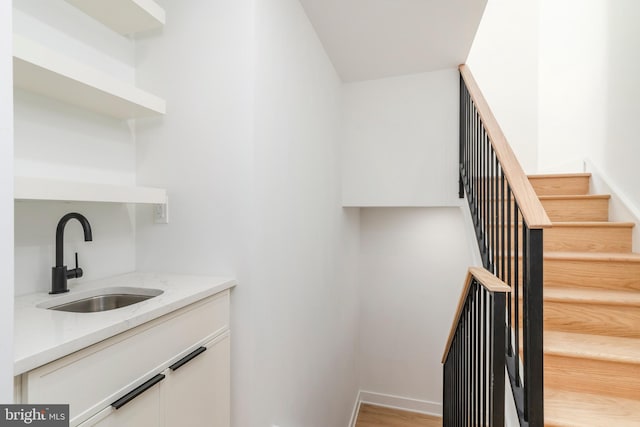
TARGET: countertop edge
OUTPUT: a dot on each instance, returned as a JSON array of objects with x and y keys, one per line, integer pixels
[{"x": 48, "y": 355}]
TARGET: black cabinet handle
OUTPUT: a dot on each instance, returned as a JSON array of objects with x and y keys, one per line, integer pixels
[
  {"x": 137, "y": 391},
  {"x": 188, "y": 358}
]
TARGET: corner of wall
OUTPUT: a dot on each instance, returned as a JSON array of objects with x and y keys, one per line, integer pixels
[
  {"x": 621, "y": 207},
  {"x": 6, "y": 205}
]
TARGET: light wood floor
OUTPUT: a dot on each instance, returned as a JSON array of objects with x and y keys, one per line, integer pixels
[{"x": 377, "y": 416}]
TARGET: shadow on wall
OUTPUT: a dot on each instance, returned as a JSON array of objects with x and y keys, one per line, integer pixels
[{"x": 622, "y": 143}]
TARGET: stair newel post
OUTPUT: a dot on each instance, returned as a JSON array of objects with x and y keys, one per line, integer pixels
[
  {"x": 461, "y": 136},
  {"x": 533, "y": 331},
  {"x": 498, "y": 362}
]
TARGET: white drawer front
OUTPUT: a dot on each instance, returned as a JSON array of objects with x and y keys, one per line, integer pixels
[{"x": 91, "y": 378}]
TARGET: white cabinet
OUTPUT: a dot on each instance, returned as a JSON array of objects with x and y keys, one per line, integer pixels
[
  {"x": 197, "y": 394},
  {"x": 133, "y": 372},
  {"x": 144, "y": 411},
  {"x": 192, "y": 392}
]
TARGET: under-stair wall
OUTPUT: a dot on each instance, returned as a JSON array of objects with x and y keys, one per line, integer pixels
[{"x": 413, "y": 262}]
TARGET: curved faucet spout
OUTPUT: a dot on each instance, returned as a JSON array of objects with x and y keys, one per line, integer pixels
[
  {"x": 60, "y": 273},
  {"x": 86, "y": 227}
]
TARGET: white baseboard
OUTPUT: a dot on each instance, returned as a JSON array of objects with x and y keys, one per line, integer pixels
[
  {"x": 620, "y": 206},
  {"x": 396, "y": 402},
  {"x": 356, "y": 409}
]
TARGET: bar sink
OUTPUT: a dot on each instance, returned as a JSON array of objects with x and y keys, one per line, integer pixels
[{"x": 99, "y": 300}]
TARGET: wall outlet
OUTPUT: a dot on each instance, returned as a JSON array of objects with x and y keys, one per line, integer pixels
[{"x": 161, "y": 213}]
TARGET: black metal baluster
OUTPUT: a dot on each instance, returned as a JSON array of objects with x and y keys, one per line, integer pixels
[
  {"x": 494, "y": 218},
  {"x": 485, "y": 335},
  {"x": 484, "y": 357},
  {"x": 525, "y": 285},
  {"x": 472, "y": 354},
  {"x": 465, "y": 372},
  {"x": 459, "y": 383},
  {"x": 516, "y": 288},
  {"x": 487, "y": 184},
  {"x": 460, "y": 138},
  {"x": 509, "y": 278},
  {"x": 500, "y": 206},
  {"x": 491, "y": 356}
]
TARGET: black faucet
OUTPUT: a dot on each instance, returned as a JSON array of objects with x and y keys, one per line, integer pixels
[{"x": 59, "y": 273}]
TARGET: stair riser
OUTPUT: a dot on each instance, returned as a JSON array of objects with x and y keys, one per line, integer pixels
[
  {"x": 564, "y": 238},
  {"x": 560, "y": 186},
  {"x": 577, "y": 210},
  {"x": 592, "y": 376},
  {"x": 588, "y": 239},
  {"x": 589, "y": 318},
  {"x": 591, "y": 274}
]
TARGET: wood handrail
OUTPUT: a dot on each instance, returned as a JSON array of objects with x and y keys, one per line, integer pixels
[
  {"x": 486, "y": 279},
  {"x": 534, "y": 214}
]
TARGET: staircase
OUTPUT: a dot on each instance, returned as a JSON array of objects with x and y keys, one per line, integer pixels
[{"x": 591, "y": 308}]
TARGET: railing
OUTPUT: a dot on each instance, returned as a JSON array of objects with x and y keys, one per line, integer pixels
[
  {"x": 509, "y": 221},
  {"x": 474, "y": 357}
]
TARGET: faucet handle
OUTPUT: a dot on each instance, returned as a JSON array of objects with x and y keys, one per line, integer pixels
[{"x": 76, "y": 272}]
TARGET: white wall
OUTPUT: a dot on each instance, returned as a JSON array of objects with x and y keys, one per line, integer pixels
[
  {"x": 413, "y": 265},
  {"x": 111, "y": 252},
  {"x": 248, "y": 153},
  {"x": 305, "y": 246},
  {"x": 6, "y": 205},
  {"x": 615, "y": 154},
  {"x": 56, "y": 140},
  {"x": 401, "y": 141},
  {"x": 578, "y": 68},
  {"x": 572, "y": 82},
  {"x": 202, "y": 152},
  {"x": 504, "y": 61}
]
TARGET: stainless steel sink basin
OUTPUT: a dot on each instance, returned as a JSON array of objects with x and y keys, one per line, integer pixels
[{"x": 98, "y": 300}]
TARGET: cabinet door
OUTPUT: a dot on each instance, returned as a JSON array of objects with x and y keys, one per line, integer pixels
[
  {"x": 197, "y": 394},
  {"x": 143, "y": 411}
]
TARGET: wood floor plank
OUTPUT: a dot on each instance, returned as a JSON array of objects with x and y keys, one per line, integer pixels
[{"x": 378, "y": 416}]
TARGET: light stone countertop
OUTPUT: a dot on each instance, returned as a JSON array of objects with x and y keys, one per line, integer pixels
[{"x": 41, "y": 335}]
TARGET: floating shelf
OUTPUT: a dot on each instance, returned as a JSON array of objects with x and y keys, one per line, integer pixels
[
  {"x": 44, "y": 71},
  {"x": 124, "y": 16},
  {"x": 28, "y": 188}
]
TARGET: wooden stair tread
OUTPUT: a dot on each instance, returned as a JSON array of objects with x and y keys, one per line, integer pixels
[
  {"x": 593, "y": 256},
  {"x": 606, "y": 224},
  {"x": 571, "y": 409},
  {"x": 595, "y": 296},
  {"x": 632, "y": 257},
  {"x": 559, "y": 175},
  {"x": 575, "y": 197},
  {"x": 567, "y": 350},
  {"x": 598, "y": 347}
]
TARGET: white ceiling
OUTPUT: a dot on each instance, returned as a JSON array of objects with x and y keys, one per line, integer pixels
[{"x": 371, "y": 39}]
